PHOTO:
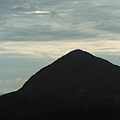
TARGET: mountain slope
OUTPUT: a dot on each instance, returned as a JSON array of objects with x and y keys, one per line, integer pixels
[{"x": 68, "y": 76}]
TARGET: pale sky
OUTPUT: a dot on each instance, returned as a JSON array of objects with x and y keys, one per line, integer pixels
[{"x": 34, "y": 33}]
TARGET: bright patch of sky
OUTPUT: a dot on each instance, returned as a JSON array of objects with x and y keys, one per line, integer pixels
[{"x": 33, "y": 33}]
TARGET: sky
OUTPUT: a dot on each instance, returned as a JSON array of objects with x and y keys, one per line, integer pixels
[{"x": 34, "y": 33}]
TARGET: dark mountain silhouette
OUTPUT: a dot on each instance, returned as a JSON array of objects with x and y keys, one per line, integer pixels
[{"x": 76, "y": 86}]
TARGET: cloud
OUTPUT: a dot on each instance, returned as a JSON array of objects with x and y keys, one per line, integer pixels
[
  {"x": 23, "y": 20},
  {"x": 55, "y": 49},
  {"x": 108, "y": 26},
  {"x": 29, "y": 10}
]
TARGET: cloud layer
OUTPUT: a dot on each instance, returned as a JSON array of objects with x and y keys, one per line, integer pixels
[
  {"x": 56, "y": 49},
  {"x": 29, "y": 20}
]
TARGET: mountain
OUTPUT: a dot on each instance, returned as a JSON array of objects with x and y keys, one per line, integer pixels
[
  {"x": 75, "y": 86},
  {"x": 66, "y": 77}
]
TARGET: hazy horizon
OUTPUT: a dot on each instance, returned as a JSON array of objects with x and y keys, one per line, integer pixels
[{"x": 35, "y": 33}]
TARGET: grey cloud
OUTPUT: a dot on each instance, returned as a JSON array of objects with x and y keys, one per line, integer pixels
[
  {"x": 33, "y": 8},
  {"x": 109, "y": 27},
  {"x": 35, "y": 20},
  {"x": 47, "y": 32},
  {"x": 18, "y": 9}
]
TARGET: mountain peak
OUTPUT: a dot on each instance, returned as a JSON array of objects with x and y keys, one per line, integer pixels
[
  {"x": 77, "y": 55},
  {"x": 78, "y": 52},
  {"x": 77, "y": 69}
]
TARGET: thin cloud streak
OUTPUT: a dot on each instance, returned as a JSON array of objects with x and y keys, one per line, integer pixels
[{"x": 55, "y": 49}]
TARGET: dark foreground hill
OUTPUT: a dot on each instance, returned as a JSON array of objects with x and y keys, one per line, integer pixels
[{"x": 76, "y": 86}]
